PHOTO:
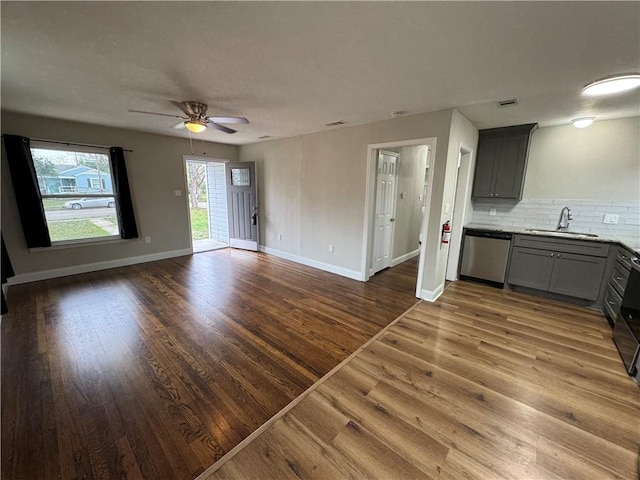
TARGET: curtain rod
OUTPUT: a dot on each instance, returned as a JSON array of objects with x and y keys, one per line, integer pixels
[{"x": 74, "y": 144}]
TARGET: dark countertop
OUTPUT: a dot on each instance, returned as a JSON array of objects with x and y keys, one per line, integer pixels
[{"x": 633, "y": 247}]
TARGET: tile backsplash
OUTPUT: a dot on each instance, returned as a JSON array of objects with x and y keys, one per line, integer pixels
[{"x": 544, "y": 213}]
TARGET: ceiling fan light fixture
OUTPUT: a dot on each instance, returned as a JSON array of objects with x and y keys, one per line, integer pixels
[
  {"x": 195, "y": 127},
  {"x": 582, "y": 122},
  {"x": 612, "y": 84}
]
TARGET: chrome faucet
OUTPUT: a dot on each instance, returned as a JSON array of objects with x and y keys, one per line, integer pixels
[{"x": 565, "y": 216}]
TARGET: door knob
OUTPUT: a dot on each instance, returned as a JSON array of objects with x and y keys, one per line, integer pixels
[{"x": 392, "y": 219}]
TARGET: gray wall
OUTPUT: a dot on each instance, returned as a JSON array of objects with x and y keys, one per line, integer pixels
[
  {"x": 155, "y": 169},
  {"x": 312, "y": 189},
  {"x": 411, "y": 169},
  {"x": 598, "y": 162}
]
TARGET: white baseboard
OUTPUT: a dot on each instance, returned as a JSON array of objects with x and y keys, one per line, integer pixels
[
  {"x": 432, "y": 295},
  {"x": 93, "y": 267},
  {"x": 327, "y": 267},
  {"x": 405, "y": 257}
]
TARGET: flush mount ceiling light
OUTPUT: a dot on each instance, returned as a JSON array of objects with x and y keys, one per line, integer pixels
[
  {"x": 612, "y": 84},
  {"x": 195, "y": 126},
  {"x": 582, "y": 122}
]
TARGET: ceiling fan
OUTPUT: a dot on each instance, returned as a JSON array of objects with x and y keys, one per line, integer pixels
[{"x": 196, "y": 120}]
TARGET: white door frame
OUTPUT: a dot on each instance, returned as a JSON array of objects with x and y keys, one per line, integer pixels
[
  {"x": 369, "y": 204},
  {"x": 185, "y": 187},
  {"x": 461, "y": 202}
]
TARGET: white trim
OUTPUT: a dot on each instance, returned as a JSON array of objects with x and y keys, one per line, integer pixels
[
  {"x": 327, "y": 267},
  {"x": 94, "y": 267},
  {"x": 432, "y": 295},
  {"x": 424, "y": 229},
  {"x": 244, "y": 244},
  {"x": 405, "y": 257},
  {"x": 261, "y": 429}
]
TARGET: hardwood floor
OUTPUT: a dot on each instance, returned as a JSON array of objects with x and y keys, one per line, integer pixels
[
  {"x": 482, "y": 384},
  {"x": 157, "y": 370}
]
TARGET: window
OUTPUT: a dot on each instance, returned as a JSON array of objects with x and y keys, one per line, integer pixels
[{"x": 77, "y": 193}]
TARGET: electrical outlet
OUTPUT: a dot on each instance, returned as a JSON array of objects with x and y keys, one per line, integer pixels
[
  {"x": 279, "y": 236},
  {"x": 147, "y": 239},
  {"x": 611, "y": 218},
  {"x": 447, "y": 207},
  {"x": 177, "y": 193},
  {"x": 492, "y": 212},
  {"x": 330, "y": 248}
]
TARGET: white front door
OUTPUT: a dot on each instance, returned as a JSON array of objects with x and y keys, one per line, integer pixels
[
  {"x": 242, "y": 204},
  {"x": 385, "y": 210}
]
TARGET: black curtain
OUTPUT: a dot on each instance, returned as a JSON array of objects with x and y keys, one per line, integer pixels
[
  {"x": 7, "y": 271},
  {"x": 27, "y": 191},
  {"x": 124, "y": 207}
]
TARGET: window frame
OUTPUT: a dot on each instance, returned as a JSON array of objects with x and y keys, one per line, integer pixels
[{"x": 34, "y": 144}]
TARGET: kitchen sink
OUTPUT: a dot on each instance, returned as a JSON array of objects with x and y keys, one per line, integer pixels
[{"x": 555, "y": 233}]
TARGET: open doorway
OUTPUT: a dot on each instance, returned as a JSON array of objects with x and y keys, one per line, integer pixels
[
  {"x": 207, "y": 202},
  {"x": 397, "y": 208}
]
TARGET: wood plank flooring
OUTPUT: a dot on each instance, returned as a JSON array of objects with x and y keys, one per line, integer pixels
[
  {"x": 482, "y": 384},
  {"x": 157, "y": 370}
]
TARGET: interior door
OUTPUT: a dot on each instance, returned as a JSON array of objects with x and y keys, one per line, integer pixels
[
  {"x": 242, "y": 205},
  {"x": 385, "y": 210}
]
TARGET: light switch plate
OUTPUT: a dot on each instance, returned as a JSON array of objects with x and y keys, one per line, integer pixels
[
  {"x": 611, "y": 218},
  {"x": 492, "y": 212},
  {"x": 177, "y": 193}
]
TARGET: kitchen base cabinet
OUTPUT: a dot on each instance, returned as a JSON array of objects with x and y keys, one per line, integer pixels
[
  {"x": 530, "y": 268},
  {"x": 577, "y": 275},
  {"x": 617, "y": 284},
  {"x": 565, "y": 267}
]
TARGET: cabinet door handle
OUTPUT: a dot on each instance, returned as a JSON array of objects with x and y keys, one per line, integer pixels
[
  {"x": 552, "y": 255},
  {"x": 610, "y": 302},
  {"x": 618, "y": 278},
  {"x": 624, "y": 257},
  {"x": 558, "y": 255}
]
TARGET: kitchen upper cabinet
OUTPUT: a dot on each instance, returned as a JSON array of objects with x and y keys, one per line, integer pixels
[
  {"x": 568, "y": 267},
  {"x": 501, "y": 162}
]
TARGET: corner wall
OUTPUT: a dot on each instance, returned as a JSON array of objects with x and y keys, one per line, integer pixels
[{"x": 312, "y": 190}]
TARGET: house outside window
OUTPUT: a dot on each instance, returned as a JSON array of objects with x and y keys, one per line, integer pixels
[{"x": 76, "y": 186}]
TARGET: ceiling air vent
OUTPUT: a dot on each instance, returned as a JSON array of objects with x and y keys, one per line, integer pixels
[
  {"x": 512, "y": 102},
  {"x": 264, "y": 136},
  {"x": 334, "y": 124}
]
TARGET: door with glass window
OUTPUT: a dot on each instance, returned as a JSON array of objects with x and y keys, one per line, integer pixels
[{"x": 242, "y": 202}]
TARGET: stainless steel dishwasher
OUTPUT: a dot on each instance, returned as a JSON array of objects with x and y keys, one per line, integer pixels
[{"x": 484, "y": 256}]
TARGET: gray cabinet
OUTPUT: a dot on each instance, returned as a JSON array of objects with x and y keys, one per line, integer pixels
[
  {"x": 567, "y": 267},
  {"x": 617, "y": 284},
  {"x": 501, "y": 162},
  {"x": 530, "y": 268}
]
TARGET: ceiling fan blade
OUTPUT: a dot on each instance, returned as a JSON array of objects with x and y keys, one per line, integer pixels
[
  {"x": 222, "y": 128},
  {"x": 179, "y": 126},
  {"x": 154, "y": 113},
  {"x": 229, "y": 119}
]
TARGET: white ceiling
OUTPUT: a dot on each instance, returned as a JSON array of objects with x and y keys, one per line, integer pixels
[{"x": 293, "y": 67}]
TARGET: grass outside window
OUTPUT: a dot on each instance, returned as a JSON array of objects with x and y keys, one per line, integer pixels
[{"x": 199, "y": 223}]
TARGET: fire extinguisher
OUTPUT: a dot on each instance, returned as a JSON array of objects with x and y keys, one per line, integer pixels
[{"x": 446, "y": 232}]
